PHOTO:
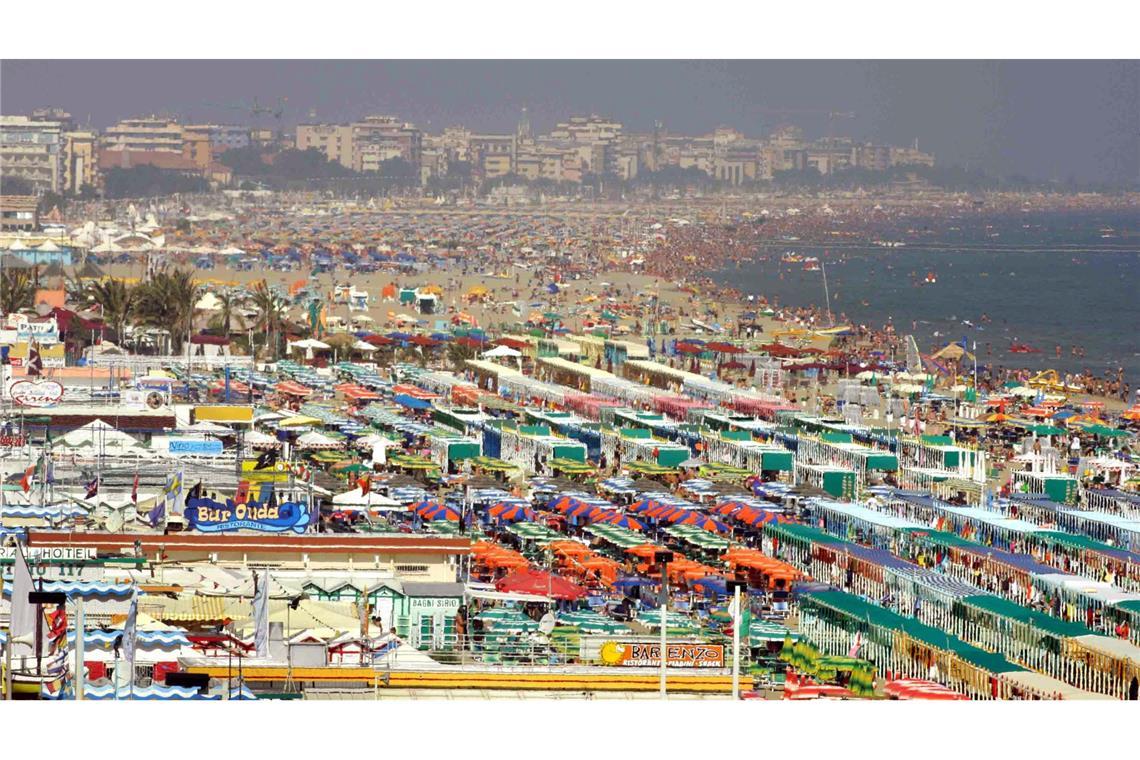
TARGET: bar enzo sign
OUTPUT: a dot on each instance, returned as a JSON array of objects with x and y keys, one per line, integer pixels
[
  {"x": 39, "y": 393},
  {"x": 648, "y": 655}
]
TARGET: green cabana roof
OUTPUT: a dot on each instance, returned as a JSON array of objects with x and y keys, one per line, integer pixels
[{"x": 1013, "y": 611}]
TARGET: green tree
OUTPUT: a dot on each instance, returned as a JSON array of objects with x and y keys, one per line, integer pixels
[
  {"x": 228, "y": 304},
  {"x": 270, "y": 319},
  {"x": 17, "y": 290},
  {"x": 117, "y": 300},
  {"x": 167, "y": 301},
  {"x": 458, "y": 353}
]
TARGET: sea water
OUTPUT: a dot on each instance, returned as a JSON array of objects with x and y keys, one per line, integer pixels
[{"x": 1042, "y": 280}]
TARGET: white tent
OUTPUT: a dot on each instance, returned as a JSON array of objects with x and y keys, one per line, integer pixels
[
  {"x": 500, "y": 352},
  {"x": 315, "y": 440},
  {"x": 309, "y": 343},
  {"x": 98, "y": 432},
  {"x": 260, "y": 439},
  {"x": 361, "y": 345},
  {"x": 356, "y": 498},
  {"x": 208, "y": 302}
]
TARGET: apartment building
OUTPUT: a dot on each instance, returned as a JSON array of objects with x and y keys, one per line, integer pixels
[
  {"x": 32, "y": 150},
  {"x": 222, "y": 137},
  {"x": 493, "y": 155},
  {"x": 151, "y": 133},
  {"x": 80, "y": 161},
  {"x": 376, "y": 139},
  {"x": 333, "y": 140}
]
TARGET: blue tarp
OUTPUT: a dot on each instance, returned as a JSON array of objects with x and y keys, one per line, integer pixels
[{"x": 411, "y": 402}]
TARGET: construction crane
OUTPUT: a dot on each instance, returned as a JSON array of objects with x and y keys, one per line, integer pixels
[
  {"x": 255, "y": 109},
  {"x": 831, "y": 115}
]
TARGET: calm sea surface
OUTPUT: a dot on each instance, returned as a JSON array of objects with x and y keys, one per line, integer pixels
[{"x": 1042, "y": 280}]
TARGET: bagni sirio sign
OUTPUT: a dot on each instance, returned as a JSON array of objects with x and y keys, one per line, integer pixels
[{"x": 209, "y": 516}]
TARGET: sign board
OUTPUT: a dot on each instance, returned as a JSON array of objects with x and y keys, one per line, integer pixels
[
  {"x": 182, "y": 446},
  {"x": 433, "y": 603},
  {"x": 36, "y": 393},
  {"x": 209, "y": 516},
  {"x": 52, "y": 553},
  {"x": 43, "y": 332},
  {"x": 278, "y": 473},
  {"x": 648, "y": 654},
  {"x": 12, "y": 441},
  {"x": 223, "y": 413}
]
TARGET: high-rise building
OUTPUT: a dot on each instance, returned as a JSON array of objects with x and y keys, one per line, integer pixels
[
  {"x": 80, "y": 161},
  {"x": 376, "y": 139},
  {"x": 151, "y": 133},
  {"x": 333, "y": 140},
  {"x": 493, "y": 155},
  {"x": 32, "y": 150},
  {"x": 222, "y": 137}
]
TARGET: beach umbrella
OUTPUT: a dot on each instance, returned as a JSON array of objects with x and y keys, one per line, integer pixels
[
  {"x": 441, "y": 512},
  {"x": 511, "y": 512},
  {"x": 624, "y": 521},
  {"x": 704, "y": 522}
]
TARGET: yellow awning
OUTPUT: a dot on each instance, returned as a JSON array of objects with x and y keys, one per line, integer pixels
[{"x": 299, "y": 421}]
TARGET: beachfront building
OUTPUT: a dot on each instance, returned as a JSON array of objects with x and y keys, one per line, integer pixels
[
  {"x": 19, "y": 213},
  {"x": 149, "y": 133},
  {"x": 493, "y": 155},
  {"x": 220, "y": 137},
  {"x": 80, "y": 161},
  {"x": 33, "y": 151},
  {"x": 333, "y": 140},
  {"x": 376, "y": 139}
]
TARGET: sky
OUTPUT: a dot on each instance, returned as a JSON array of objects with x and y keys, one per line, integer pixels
[{"x": 1041, "y": 119}]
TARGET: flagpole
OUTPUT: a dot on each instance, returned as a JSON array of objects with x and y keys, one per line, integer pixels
[{"x": 80, "y": 625}]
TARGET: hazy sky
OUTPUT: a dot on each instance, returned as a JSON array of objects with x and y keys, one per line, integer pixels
[{"x": 1045, "y": 119}]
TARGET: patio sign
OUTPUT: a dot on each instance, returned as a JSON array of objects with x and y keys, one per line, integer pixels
[{"x": 209, "y": 516}]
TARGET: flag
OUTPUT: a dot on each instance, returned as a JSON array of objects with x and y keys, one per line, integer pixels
[
  {"x": 261, "y": 613},
  {"x": 195, "y": 492},
  {"x": 26, "y": 481},
  {"x": 173, "y": 491},
  {"x": 266, "y": 460},
  {"x": 93, "y": 488},
  {"x": 158, "y": 514},
  {"x": 22, "y": 620},
  {"x": 365, "y": 484},
  {"x": 57, "y": 623},
  {"x": 135, "y": 491},
  {"x": 35, "y": 362},
  {"x": 130, "y": 634},
  {"x": 854, "y": 651}
]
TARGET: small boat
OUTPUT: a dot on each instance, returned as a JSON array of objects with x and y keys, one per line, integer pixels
[
  {"x": 1022, "y": 348},
  {"x": 930, "y": 278}
]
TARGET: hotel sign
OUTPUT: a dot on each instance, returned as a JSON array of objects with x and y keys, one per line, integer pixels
[
  {"x": 209, "y": 516},
  {"x": 648, "y": 655},
  {"x": 52, "y": 553}
]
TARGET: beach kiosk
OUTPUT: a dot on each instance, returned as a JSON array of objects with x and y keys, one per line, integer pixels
[{"x": 837, "y": 481}]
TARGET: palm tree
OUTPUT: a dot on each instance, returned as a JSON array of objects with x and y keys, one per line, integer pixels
[
  {"x": 228, "y": 302},
  {"x": 167, "y": 301},
  {"x": 17, "y": 291},
  {"x": 270, "y": 319},
  {"x": 118, "y": 300},
  {"x": 458, "y": 354}
]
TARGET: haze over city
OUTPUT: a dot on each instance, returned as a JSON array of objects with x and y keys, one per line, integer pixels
[{"x": 1040, "y": 119}]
